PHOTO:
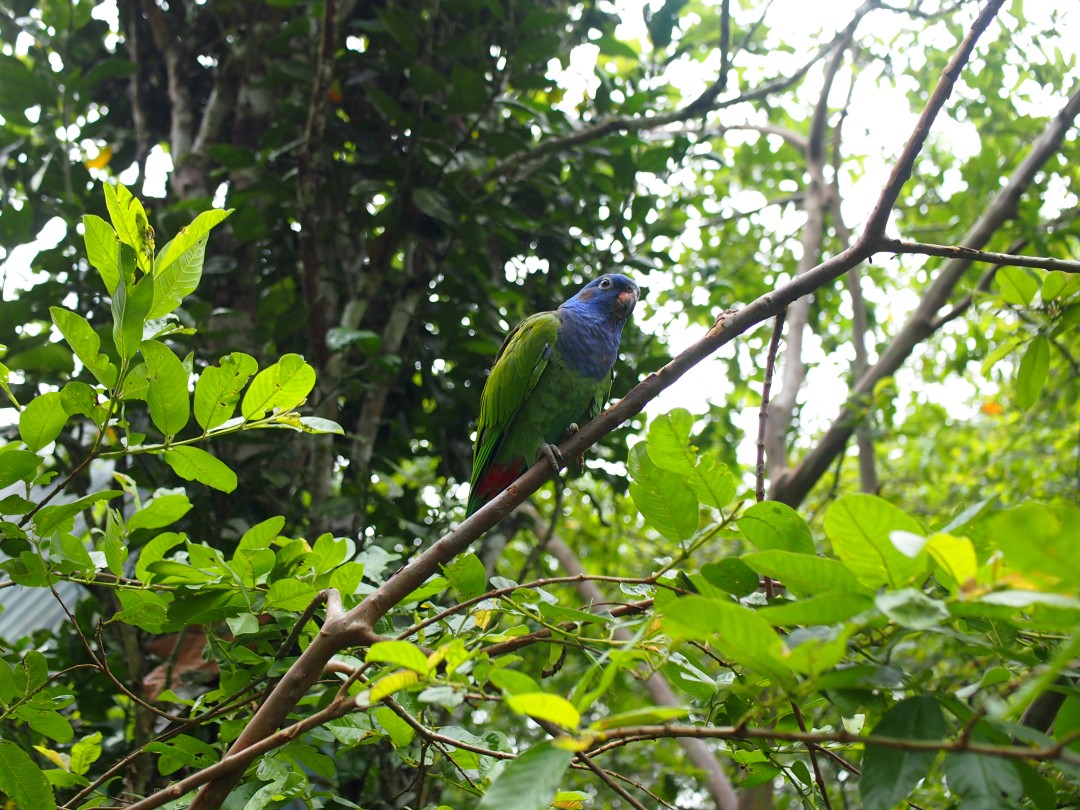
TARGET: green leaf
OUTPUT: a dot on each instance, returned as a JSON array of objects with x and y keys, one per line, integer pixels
[
  {"x": 102, "y": 250},
  {"x": 394, "y": 682},
  {"x": 399, "y": 653},
  {"x": 42, "y": 420},
  {"x": 911, "y": 608},
  {"x": 738, "y": 633},
  {"x": 136, "y": 384},
  {"x": 668, "y": 442},
  {"x": 194, "y": 234},
  {"x": 803, "y": 574},
  {"x": 261, "y": 535},
  {"x": 669, "y": 447},
  {"x": 289, "y": 594},
  {"x": 143, "y": 609},
  {"x": 129, "y": 219},
  {"x": 513, "y": 682},
  {"x": 17, "y": 465},
  {"x": 731, "y": 575},
  {"x": 193, "y": 464},
  {"x": 155, "y": 550},
  {"x": 998, "y": 353},
  {"x": 466, "y": 575},
  {"x": 283, "y": 386},
  {"x": 772, "y": 525},
  {"x": 1053, "y": 284},
  {"x": 78, "y": 398},
  {"x": 179, "y": 280},
  {"x": 85, "y": 752},
  {"x": 889, "y": 774},
  {"x": 712, "y": 482},
  {"x": 545, "y": 706},
  {"x": 22, "y": 780},
  {"x": 182, "y": 750},
  {"x": 112, "y": 543},
  {"x": 45, "y": 721},
  {"x": 316, "y": 424},
  {"x": 84, "y": 341},
  {"x": 1031, "y": 378},
  {"x": 1040, "y": 542},
  {"x": 161, "y": 511},
  {"x": 662, "y": 497},
  {"x": 400, "y": 732},
  {"x": 529, "y": 782},
  {"x": 51, "y": 518},
  {"x": 983, "y": 782},
  {"x": 859, "y": 527},
  {"x": 1017, "y": 285},
  {"x": 130, "y": 308},
  {"x": 167, "y": 395},
  {"x": 218, "y": 389},
  {"x": 33, "y": 673},
  {"x": 7, "y": 683}
]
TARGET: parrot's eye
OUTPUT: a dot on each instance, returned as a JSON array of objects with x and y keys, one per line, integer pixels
[{"x": 605, "y": 283}]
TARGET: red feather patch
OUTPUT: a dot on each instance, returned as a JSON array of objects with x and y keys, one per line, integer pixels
[{"x": 497, "y": 478}]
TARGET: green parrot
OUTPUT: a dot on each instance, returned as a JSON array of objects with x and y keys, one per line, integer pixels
[{"x": 553, "y": 372}]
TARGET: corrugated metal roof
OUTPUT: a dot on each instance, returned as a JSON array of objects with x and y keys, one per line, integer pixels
[{"x": 25, "y": 609}]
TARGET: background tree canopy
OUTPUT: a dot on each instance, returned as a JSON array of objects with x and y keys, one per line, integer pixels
[{"x": 257, "y": 260}]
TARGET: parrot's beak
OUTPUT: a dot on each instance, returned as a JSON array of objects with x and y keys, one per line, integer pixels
[{"x": 625, "y": 302}]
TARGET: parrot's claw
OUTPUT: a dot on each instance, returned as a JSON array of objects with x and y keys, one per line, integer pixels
[
  {"x": 552, "y": 454},
  {"x": 570, "y": 431}
]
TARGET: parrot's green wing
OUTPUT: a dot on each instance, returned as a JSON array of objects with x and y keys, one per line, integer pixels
[{"x": 520, "y": 363}]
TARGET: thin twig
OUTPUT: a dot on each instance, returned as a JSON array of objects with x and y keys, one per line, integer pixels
[
  {"x": 972, "y": 255},
  {"x": 766, "y": 390}
]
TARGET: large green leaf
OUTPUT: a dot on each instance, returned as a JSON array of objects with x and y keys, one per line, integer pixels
[
  {"x": 805, "y": 574},
  {"x": 281, "y": 387},
  {"x": 736, "y": 632},
  {"x": 529, "y": 782},
  {"x": 662, "y": 497},
  {"x": 218, "y": 389},
  {"x": 17, "y": 465},
  {"x": 179, "y": 279},
  {"x": 983, "y": 782},
  {"x": 890, "y": 774},
  {"x": 1031, "y": 378},
  {"x": 669, "y": 447},
  {"x": 193, "y": 235},
  {"x": 132, "y": 228},
  {"x": 42, "y": 420},
  {"x": 195, "y": 464},
  {"x": 102, "y": 250},
  {"x": 859, "y": 527},
  {"x": 167, "y": 395},
  {"x": 161, "y": 511},
  {"x": 772, "y": 525},
  {"x": 399, "y": 653},
  {"x": 84, "y": 341},
  {"x": 22, "y": 780},
  {"x": 130, "y": 308}
]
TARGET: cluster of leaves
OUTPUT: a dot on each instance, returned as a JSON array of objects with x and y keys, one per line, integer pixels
[{"x": 136, "y": 379}]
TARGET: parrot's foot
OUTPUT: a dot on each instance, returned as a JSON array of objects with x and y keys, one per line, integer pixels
[
  {"x": 552, "y": 454},
  {"x": 577, "y": 463}
]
